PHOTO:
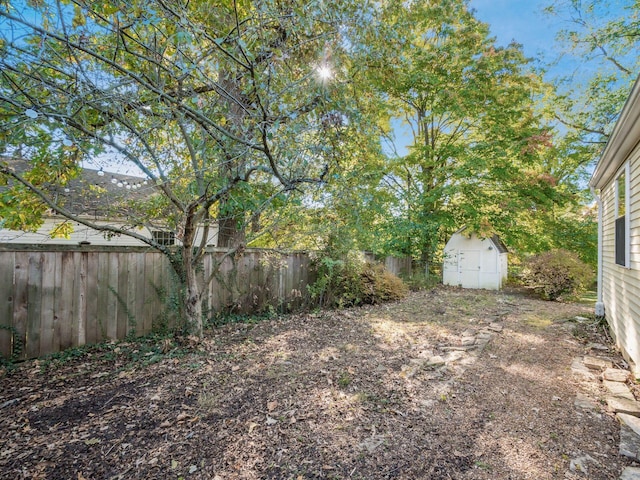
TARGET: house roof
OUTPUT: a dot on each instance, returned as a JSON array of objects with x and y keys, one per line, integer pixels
[
  {"x": 94, "y": 193},
  {"x": 623, "y": 139}
]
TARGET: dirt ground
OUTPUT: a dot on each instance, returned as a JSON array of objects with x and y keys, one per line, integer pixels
[{"x": 447, "y": 384}]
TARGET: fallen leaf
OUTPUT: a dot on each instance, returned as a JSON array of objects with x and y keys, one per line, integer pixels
[
  {"x": 174, "y": 464},
  {"x": 182, "y": 416},
  {"x": 165, "y": 424},
  {"x": 92, "y": 441},
  {"x": 271, "y": 421},
  {"x": 192, "y": 468},
  {"x": 271, "y": 406},
  {"x": 252, "y": 426}
]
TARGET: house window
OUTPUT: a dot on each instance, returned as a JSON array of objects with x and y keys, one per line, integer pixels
[
  {"x": 164, "y": 238},
  {"x": 622, "y": 231}
]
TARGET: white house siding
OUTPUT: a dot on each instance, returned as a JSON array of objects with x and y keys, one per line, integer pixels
[
  {"x": 81, "y": 233},
  {"x": 621, "y": 285}
]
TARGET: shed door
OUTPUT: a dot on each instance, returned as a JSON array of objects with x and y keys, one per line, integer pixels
[{"x": 470, "y": 268}]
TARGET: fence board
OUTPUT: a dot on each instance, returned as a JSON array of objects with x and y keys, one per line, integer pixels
[
  {"x": 150, "y": 297},
  {"x": 81, "y": 296},
  {"x": 91, "y": 298},
  {"x": 139, "y": 283},
  {"x": 68, "y": 329},
  {"x": 20, "y": 303},
  {"x": 47, "y": 305},
  {"x": 102, "y": 296},
  {"x": 57, "y": 300},
  {"x": 34, "y": 308},
  {"x": 6, "y": 303},
  {"x": 59, "y": 297},
  {"x": 112, "y": 304}
]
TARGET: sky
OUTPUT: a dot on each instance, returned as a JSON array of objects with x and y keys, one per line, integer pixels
[{"x": 524, "y": 22}]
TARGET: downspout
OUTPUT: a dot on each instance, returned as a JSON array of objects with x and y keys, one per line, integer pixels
[{"x": 599, "y": 303}]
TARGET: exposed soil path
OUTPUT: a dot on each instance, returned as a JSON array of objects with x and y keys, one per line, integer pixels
[{"x": 448, "y": 384}]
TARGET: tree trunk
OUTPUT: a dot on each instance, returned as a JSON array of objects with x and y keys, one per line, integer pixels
[
  {"x": 229, "y": 235},
  {"x": 193, "y": 306},
  {"x": 192, "y": 296}
]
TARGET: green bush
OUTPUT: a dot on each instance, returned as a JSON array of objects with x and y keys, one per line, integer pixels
[
  {"x": 556, "y": 273},
  {"x": 352, "y": 281}
]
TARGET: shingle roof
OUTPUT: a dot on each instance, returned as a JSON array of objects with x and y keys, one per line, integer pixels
[{"x": 93, "y": 192}]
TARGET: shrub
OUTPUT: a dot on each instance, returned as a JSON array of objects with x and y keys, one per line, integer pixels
[
  {"x": 555, "y": 273},
  {"x": 352, "y": 281}
]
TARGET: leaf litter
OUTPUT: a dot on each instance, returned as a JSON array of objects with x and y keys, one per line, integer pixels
[{"x": 391, "y": 391}]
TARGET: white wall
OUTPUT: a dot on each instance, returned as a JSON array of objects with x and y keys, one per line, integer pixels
[
  {"x": 82, "y": 233},
  {"x": 621, "y": 285}
]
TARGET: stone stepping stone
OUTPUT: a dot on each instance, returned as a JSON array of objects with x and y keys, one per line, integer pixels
[
  {"x": 468, "y": 341},
  {"x": 435, "y": 361},
  {"x": 630, "y": 473},
  {"x": 630, "y": 421},
  {"x": 579, "y": 464},
  {"x": 615, "y": 374},
  {"x": 596, "y": 363},
  {"x": 584, "y": 402},
  {"x": 618, "y": 389},
  {"x": 578, "y": 368},
  {"x": 629, "y": 442},
  {"x": 623, "y": 405}
]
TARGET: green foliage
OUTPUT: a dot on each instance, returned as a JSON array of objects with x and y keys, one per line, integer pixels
[
  {"x": 350, "y": 281},
  {"x": 219, "y": 104},
  {"x": 556, "y": 273},
  {"x": 133, "y": 353},
  {"x": 17, "y": 345}
]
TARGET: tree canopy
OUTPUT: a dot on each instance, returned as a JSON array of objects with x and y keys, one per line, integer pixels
[{"x": 277, "y": 123}]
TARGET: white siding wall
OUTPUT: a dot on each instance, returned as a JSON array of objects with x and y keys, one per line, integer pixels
[
  {"x": 82, "y": 233},
  {"x": 621, "y": 285}
]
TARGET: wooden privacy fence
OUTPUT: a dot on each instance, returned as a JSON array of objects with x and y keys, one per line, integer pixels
[{"x": 56, "y": 297}]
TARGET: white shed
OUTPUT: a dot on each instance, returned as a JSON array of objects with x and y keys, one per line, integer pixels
[{"x": 474, "y": 262}]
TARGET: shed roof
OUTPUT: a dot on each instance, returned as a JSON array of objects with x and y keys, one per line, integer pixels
[
  {"x": 623, "y": 139},
  {"x": 495, "y": 239}
]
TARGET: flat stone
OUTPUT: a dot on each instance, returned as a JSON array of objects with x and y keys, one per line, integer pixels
[
  {"x": 462, "y": 348},
  {"x": 618, "y": 389},
  {"x": 466, "y": 341},
  {"x": 454, "y": 356},
  {"x": 630, "y": 473},
  {"x": 579, "y": 464},
  {"x": 596, "y": 363},
  {"x": 584, "y": 402},
  {"x": 484, "y": 336},
  {"x": 623, "y": 405},
  {"x": 630, "y": 421},
  {"x": 481, "y": 344},
  {"x": 435, "y": 361},
  {"x": 495, "y": 327},
  {"x": 578, "y": 367},
  {"x": 598, "y": 346},
  {"x": 629, "y": 442},
  {"x": 615, "y": 374}
]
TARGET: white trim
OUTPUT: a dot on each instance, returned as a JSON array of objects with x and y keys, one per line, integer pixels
[
  {"x": 624, "y": 170},
  {"x": 627, "y": 216}
]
